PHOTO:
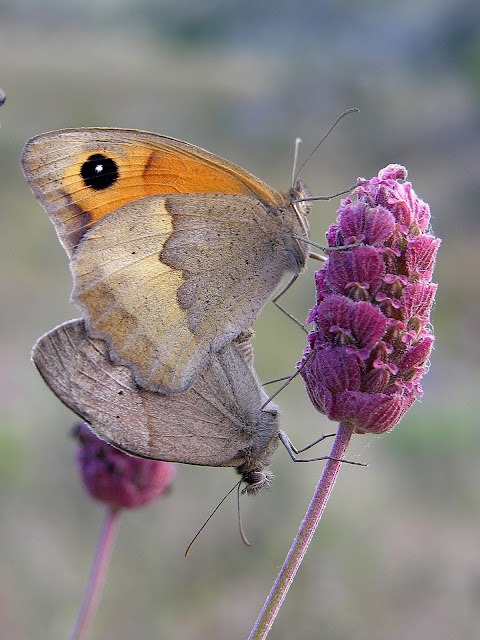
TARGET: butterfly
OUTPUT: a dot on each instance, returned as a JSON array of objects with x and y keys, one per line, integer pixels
[
  {"x": 218, "y": 422},
  {"x": 173, "y": 250}
]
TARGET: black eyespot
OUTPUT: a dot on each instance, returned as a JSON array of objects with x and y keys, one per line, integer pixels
[{"x": 99, "y": 172}]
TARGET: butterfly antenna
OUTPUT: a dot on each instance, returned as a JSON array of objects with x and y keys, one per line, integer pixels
[
  {"x": 237, "y": 484},
  {"x": 240, "y": 525},
  {"x": 298, "y": 142},
  {"x": 345, "y": 113}
]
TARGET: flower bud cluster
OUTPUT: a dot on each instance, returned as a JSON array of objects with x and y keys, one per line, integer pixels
[
  {"x": 116, "y": 478},
  {"x": 371, "y": 336}
]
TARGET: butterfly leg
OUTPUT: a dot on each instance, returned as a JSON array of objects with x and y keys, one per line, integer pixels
[
  {"x": 292, "y": 450},
  {"x": 325, "y": 249},
  {"x": 289, "y": 315},
  {"x": 288, "y": 380},
  {"x": 314, "y": 256},
  {"x": 317, "y": 256}
]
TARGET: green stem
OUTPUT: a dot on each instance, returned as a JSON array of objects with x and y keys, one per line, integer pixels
[
  {"x": 304, "y": 536},
  {"x": 97, "y": 575}
]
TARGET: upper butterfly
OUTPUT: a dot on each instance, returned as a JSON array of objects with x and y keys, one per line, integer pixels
[{"x": 173, "y": 250}]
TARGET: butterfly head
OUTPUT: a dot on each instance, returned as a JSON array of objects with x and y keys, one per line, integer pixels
[
  {"x": 299, "y": 195},
  {"x": 256, "y": 481}
]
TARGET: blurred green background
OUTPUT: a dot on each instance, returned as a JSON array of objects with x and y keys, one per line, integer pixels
[{"x": 397, "y": 554}]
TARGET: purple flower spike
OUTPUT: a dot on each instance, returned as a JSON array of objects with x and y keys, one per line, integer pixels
[
  {"x": 372, "y": 338},
  {"x": 116, "y": 478}
]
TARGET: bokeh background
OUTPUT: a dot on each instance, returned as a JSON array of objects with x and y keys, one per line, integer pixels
[{"x": 397, "y": 554}]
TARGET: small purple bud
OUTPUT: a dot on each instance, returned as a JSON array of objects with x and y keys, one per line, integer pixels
[
  {"x": 116, "y": 478},
  {"x": 371, "y": 336},
  {"x": 356, "y": 274}
]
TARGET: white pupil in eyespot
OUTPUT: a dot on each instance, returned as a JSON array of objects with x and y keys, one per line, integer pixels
[{"x": 99, "y": 168}]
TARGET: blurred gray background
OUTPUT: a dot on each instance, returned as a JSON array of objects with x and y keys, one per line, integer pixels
[{"x": 397, "y": 554}]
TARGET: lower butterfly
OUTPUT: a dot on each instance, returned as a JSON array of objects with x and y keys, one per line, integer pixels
[
  {"x": 224, "y": 420},
  {"x": 218, "y": 422}
]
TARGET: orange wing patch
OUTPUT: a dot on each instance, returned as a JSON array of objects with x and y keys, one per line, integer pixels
[
  {"x": 142, "y": 173},
  {"x": 82, "y": 175}
]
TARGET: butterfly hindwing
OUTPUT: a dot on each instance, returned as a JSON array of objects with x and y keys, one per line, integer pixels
[{"x": 218, "y": 422}]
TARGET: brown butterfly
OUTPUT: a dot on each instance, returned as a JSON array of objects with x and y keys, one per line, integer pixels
[
  {"x": 173, "y": 250},
  {"x": 218, "y": 422}
]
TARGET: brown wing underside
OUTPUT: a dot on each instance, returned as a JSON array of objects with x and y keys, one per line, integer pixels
[
  {"x": 167, "y": 280},
  {"x": 211, "y": 424}
]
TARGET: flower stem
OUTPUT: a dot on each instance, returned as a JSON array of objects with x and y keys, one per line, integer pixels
[
  {"x": 97, "y": 574},
  {"x": 304, "y": 536}
]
